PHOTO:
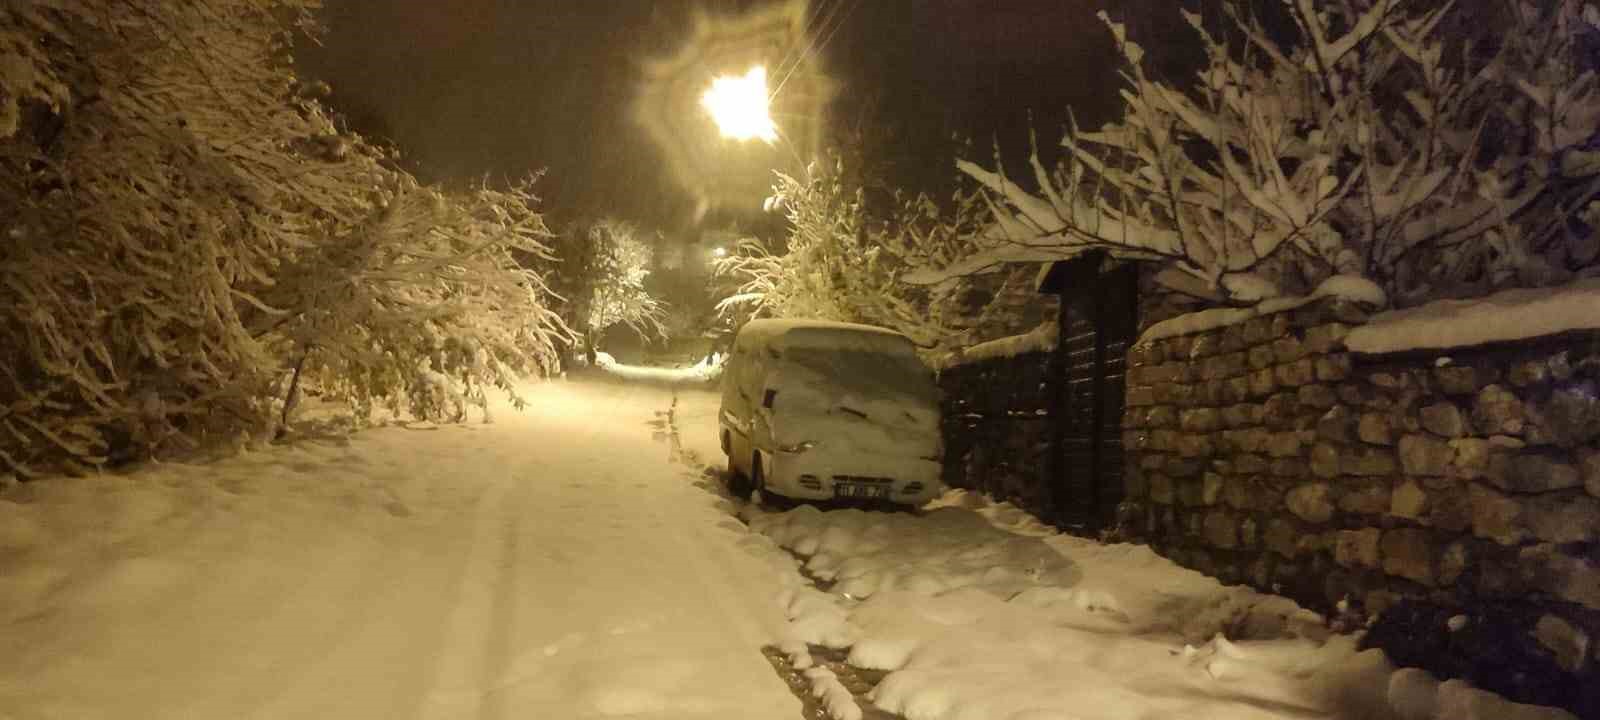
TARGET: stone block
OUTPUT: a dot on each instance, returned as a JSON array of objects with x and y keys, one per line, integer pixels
[
  {"x": 1462, "y": 379},
  {"x": 1444, "y": 419},
  {"x": 1562, "y": 517},
  {"x": 1590, "y": 463},
  {"x": 1371, "y": 498},
  {"x": 1571, "y": 415},
  {"x": 1320, "y": 397},
  {"x": 1532, "y": 472},
  {"x": 1161, "y": 416},
  {"x": 1205, "y": 345},
  {"x": 1337, "y": 426},
  {"x": 1145, "y": 353},
  {"x": 1262, "y": 383},
  {"x": 1453, "y": 562},
  {"x": 1282, "y": 537},
  {"x": 1161, "y": 488},
  {"x": 1258, "y": 330},
  {"x": 1139, "y": 396},
  {"x": 1177, "y": 348},
  {"x": 1211, "y": 489},
  {"x": 1325, "y": 460},
  {"x": 1152, "y": 461},
  {"x": 1568, "y": 643},
  {"x": 1297, "y": 373},
  {"x": 1528, "y": 372},
  {"x": 1221, "y": 531},
  {"x": 1409, "y": 500},
  {"x": 1367, "y": 461},
  {"x": 1472, "y": 458},
  {"x": 1312, "y": 502},
  {"x": 1280, "y": 411},
  {"x": 1231, "y": 338},
  {"x": 1425, "y": 455},
  {"x": 1223, "y": 367},
  {"x": 1410, "y": 553},
  {"x": 1200, "y": 420},
  {"x": 1260, "y": 357},
  {"x": 1333, "y": 368},
  {"x": 1498, "y": 411},
  {"x": 1239, "y": 415},
  {"x": 1357, "y": 548},
  {"x": 1376, "y": 428},
  {"x": 1249, "y": 464},
  {"x": 1324, "y": 339},
  {"x": 1180, "y": 467},
  {"x": 1236, "y": 390},
  {"x": 1190, "y": 492},
  {"x": 1391, "y": 380},
  {"x": 1288, "y": 349},
  {"x": 1284, "y": 444},
  {"x": 1495, "y": 516},
  {"x": 1196, "y": 446},
  {"x": 1289, "y": 468}
]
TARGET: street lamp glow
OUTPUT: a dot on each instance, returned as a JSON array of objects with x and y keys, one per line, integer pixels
[
  {"x": 719, "y": 252},
  {"x": 739, "y": 105}
]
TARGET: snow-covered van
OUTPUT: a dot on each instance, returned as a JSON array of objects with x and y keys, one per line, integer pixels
[{"x": 816, "y": 410}]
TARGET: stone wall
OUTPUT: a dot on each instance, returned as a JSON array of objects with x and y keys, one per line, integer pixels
[
  {"x": 997, "y": 429},
  {"x": 1455, "y": 489}
]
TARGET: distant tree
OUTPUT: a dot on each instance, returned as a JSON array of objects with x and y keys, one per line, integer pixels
[
  {"x": 186, "y": 227},
  {"x": 849, "y": 254},
  {"x": 601, "y": 270},
  {"x": 1435, "y": 149}
]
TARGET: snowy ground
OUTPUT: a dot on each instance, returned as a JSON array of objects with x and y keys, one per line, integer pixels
[
  {"x": 575, "y": 561},
  {"x": 556, "y": 564}
]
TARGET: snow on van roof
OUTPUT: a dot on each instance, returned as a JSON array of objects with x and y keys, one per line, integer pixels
[{"x": 790, "y": 332}]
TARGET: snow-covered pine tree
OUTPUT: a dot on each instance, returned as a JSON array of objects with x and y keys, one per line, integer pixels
[{"x": 1435, "y": 149}]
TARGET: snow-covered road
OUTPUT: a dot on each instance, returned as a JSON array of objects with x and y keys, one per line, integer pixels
[{"x": 555, "y": 564}]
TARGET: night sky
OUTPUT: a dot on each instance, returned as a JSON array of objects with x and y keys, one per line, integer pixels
[{"x": 473, "y": 88}]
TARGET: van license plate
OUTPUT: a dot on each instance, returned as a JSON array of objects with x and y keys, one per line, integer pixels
[{"x": 860, "y": 490}]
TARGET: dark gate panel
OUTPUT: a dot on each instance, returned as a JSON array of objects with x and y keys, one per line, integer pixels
[{"x": 1098, "y": 323}]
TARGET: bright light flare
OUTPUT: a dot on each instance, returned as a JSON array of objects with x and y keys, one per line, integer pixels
[
  {"x": 719, "y": 252},
  {"x": 740, "y": 106}
]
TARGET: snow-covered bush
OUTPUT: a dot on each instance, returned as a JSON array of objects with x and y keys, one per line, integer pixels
[
  {"x": 848, "y": 259},
  {"x": 422, "y": 303},
  {"x": 1437, "y": 149},
  {"x": 166, "y": 187}
]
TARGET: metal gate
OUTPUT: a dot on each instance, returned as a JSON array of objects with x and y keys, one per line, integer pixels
[{"x": 1099, "y": 320}]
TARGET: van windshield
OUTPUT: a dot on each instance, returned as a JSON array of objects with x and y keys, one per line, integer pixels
[{"x": 866, "y": 373}]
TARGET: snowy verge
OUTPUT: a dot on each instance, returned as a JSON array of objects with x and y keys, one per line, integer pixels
[
  {"x": 980, "y": 612},
  {"x": 1345, "y": 287},
  {"x": 706, "y": 371},
  {"x": 1501, "y": 317}
]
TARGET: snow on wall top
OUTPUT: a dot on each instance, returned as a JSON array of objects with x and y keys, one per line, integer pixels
[
  {"x": 1501, "y": 317},
  {"x": 1346, "y": 287},
  {"x": 1039, "y": 339}
]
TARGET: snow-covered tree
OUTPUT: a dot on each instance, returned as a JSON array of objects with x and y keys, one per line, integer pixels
[
  {"x": 1435, "y": 149},
  {"x": 601, "y": 269},
  {"x": 168, "y": 187},
  {"x": 847, "y": 258}
]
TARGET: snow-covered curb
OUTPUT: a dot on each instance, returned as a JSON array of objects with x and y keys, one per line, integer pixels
[{"x": 1501, "y": 317}]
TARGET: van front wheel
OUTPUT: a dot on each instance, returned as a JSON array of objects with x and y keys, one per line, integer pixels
[{"x": 739, "y": 484}]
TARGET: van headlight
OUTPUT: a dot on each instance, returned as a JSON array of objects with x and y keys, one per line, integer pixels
[{"x": 798, "y": 447}]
